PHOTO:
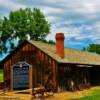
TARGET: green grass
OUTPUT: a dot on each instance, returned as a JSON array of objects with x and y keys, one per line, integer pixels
[
  {"x": 1, "y": 75},
  {"x": 95, "y": 95}
]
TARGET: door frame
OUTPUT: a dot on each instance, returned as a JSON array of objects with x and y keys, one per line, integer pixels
[{"x": 30, "y": 75}]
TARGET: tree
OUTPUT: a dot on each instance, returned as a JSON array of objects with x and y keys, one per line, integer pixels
[
  {"x": 23, "y": 23},
  {"x": 49, "y": 42},
  {"x": 93, "y": 48}
]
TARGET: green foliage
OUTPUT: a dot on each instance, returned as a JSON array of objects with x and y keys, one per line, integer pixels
[
  {"x": 0, "y": 25},
  {"x": 49, "y": 42},
  {"x": 93, "y": 48},
  {"x": 23, "y": 23},
  {"x": 1, "y": 75}
]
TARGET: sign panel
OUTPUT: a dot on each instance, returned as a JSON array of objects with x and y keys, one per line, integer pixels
[{"x": 20, "y": 77}]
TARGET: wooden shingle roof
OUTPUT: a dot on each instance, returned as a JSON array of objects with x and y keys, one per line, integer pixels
[{"x": 71, "y": 55}]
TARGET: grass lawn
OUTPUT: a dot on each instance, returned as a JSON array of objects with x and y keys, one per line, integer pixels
[
  {"x": 95, "y": 95},
  {"x": 1, "y": 75}
]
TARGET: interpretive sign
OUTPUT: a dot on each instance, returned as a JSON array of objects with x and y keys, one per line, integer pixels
[{"x": 20, "y": 77}]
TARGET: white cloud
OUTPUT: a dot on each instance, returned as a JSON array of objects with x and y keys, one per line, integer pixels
[
  {"x": 51, "y": 10},
  {"x": 9, "y": 4},
  {"x": 78, "y": 19}
]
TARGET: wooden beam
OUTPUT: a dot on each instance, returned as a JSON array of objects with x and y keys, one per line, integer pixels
[{"x": 30, "y": 77}]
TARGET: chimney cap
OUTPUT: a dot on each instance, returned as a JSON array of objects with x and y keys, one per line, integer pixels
[{"x": 59, "y": 36}]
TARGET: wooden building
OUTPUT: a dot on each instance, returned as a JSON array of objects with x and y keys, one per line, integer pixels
[{"x": 42, "y": 63}]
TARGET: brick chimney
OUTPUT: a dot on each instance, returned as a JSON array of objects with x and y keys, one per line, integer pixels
[{"x": 60, "y": 44}]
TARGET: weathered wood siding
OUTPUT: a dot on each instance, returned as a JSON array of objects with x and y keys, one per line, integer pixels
[
  {"x": 71, "y": 77},
  {"x": 41, "y": 63}
]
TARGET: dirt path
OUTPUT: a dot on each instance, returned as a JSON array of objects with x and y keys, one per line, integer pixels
[
  {"x": 68, "y": 95},
  {"x": 57, "y": 96}
]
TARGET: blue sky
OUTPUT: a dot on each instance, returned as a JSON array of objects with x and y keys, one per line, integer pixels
[{"x": 79, "y": 20}]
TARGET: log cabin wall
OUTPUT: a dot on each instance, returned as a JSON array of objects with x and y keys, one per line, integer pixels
[
  {"x": 46, "y": 69},
  {"x": 94, "y": 75},
  {"x": 72, "y": 77},
  {"x": 43, "y": 66},
  {"x": 24, "y": 53},
  {"x": 65, "y": 73}
]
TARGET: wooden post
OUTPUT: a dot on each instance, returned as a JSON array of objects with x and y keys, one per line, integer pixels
[
  {"x": 30, "y": 77},
  {"x": 11, "y": 77}
]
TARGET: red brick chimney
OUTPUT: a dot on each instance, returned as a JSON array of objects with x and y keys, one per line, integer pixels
[{"x": 60, "y": 44}]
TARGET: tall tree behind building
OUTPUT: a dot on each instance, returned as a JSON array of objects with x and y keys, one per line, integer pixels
[
  {"x": 21, "y": 24},
  {"x": 93, "y": 48}
]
